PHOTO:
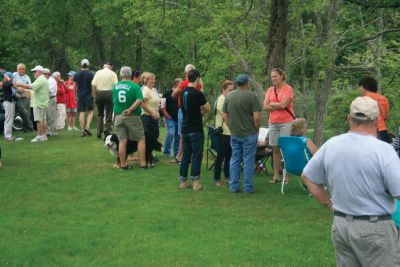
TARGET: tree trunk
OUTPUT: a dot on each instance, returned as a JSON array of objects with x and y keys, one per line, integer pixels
[
  {"x": 326, "y": 40},
  {"x": 139, "y": 47},
  {"x": 277, "y": 35}
]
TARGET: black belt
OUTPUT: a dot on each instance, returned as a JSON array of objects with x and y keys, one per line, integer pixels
[{"x": 364, "y": 217}]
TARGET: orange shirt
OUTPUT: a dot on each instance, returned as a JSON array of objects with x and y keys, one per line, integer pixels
[
  {"x": 280, "y": 116},
  {"x": 384, "y": 109}
]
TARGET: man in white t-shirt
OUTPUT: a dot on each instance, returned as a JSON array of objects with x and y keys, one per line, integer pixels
[
  {"x": 23, "y": 106},
  {"x": 363, "y": 176},
  {"x": 52, "y": 107}
]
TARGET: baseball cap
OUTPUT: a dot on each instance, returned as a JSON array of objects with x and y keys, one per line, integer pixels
[
  {"x": 46, "y": 71},
  {"x": 364, "y": 108},
  {"x": 242, "y": 78},
  {"x": 37, "y": 68},
  {"x": 84, "y": 62},
  {"x": 71, "y": 73},
  {"x": 9, "y": 74}
]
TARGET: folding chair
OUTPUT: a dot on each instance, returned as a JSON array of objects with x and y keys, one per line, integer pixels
[
  {"x": 396, "y": 215},
  {"x": 295, "y": 156},
  {"x": 262, "y": 154},
  {"x": 211, "y": 146}
]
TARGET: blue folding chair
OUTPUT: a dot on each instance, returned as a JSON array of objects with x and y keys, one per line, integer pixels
[
  {"x": 396, "y": 215},
  {"x": 295, "y": 156}
]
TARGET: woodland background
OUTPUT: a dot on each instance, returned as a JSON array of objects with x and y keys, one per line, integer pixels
[{"x": 325, "y": 46}]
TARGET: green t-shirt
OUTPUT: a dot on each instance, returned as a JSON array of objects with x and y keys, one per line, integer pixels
[
  {"x": 124, "y": 94},
  {"x": 41, "y": 95},
  {"x": 240, "y": 106}
]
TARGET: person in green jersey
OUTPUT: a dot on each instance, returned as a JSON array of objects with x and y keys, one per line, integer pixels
[{"x": 127, "y": 98}]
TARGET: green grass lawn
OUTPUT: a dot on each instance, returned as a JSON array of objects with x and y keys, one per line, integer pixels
[{"x": 63, "y": 204}]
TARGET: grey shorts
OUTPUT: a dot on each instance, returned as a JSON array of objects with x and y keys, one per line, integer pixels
[
  {"x": 39, "y": 114},
  {"x": 129, "y": 127},
  {"x": 277, "y": 130}
]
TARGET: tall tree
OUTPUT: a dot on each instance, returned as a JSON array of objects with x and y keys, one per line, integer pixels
[{"x": 278, "y": 29}]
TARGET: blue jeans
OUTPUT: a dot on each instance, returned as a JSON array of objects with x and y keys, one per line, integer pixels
[
  {"x": 193, "y": 144},
  {"x": 243, "y": 148},
  {"x": 172, "y": 135},
  {"x": 180, "y": 121}
]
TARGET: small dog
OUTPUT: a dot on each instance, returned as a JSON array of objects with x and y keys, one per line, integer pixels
[{"x": 111, "y": 142}]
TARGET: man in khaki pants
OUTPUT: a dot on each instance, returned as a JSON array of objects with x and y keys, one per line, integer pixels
[
  {"x": 102, "y": 87},
  {"x": 363, "y": 175}
]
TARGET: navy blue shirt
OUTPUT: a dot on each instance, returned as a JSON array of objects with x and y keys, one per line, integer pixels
[{"x": 83, "y": 80}]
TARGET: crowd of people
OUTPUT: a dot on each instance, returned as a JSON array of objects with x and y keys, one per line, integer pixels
[{"x": 361, "y": 168}]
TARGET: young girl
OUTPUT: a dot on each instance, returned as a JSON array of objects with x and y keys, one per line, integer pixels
[{"x": 71, "y": 102}]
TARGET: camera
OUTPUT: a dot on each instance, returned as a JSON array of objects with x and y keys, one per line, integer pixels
[{"x": 219, "y": 130}]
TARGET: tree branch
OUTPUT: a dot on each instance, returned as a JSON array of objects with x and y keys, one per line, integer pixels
[
  {"x": 369, "y": 38},
  {"x": 378, "y": 4},
  {"x": 242, "y": 62}
]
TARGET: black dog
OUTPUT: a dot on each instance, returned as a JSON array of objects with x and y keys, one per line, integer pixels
[{"x": 111, "y": 142}]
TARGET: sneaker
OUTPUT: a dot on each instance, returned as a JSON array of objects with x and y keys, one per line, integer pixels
[
  {"x": 87, "y": 131},
  {"x": 75, "y": 129},
  {"x": 17, "y": 139},
  {"x": 10, "y": 139},
  {"x": 36, "y": 139},
  {"x": 51, "y": 133},
  {"x": 43, "y": 138},
  {"x": 83, "y": 134},
  {"x": 70, "y": 129}
]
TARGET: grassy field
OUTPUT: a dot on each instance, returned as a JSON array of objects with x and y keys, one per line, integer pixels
[{"x": 63, "y": 204}]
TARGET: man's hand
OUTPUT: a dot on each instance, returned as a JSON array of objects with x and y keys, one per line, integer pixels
[{"x": 126, "y": 111}]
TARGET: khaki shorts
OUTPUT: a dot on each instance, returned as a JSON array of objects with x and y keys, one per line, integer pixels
[
  {"x": 277, "y": 130},
  {"x": 129, "y": 127},
  {"x": 39, "y": 114}
]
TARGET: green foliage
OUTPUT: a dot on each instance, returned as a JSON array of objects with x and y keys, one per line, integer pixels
[{"x": 339, "y": 110}]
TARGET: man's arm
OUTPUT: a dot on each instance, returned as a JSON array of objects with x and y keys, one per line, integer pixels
[
  {"x": 165, "y": 113},
  {"x": 318, "y": 192},
  {"x": 132, "y": 108},
  {"x": 205, "y": 108},
  {"x": 256, "y": 120},
  {"x": 177, "y": 90}
]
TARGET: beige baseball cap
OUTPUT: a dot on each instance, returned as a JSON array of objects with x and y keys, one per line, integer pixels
[
  {"x": 364, "y": 108},
  {"x": 46, "y": 71}
]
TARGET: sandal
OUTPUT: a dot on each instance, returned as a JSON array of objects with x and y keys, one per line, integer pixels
[
  {"x": 275, "y": 181},
  {"x": 200, "y": 187},
  {"x": 174, "y": 161},
  {"x": 183, "y": 186},
  {"x": 127, "y": 167}
]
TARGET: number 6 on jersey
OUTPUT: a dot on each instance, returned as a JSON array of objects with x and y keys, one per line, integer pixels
[{"x": 122, "y": 96}]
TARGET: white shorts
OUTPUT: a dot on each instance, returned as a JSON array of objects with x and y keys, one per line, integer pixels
[
  {"x": 277, "y": 130},
  {"x": 39, "y": 114}
]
